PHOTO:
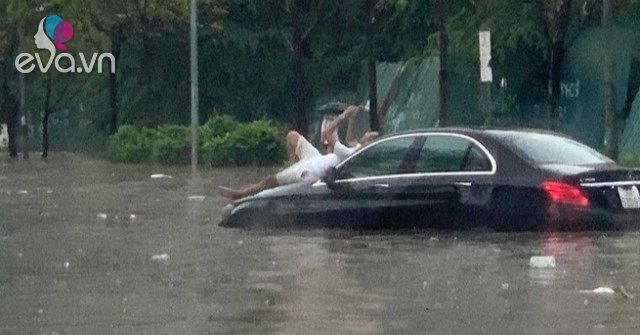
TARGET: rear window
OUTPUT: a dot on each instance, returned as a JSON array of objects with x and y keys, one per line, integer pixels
[{"x": 552, "y": 149}]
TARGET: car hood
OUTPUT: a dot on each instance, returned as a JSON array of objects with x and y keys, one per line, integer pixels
[{"x": 282, "y": 191}]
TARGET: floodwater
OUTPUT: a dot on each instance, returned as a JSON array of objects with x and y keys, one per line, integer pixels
[{"x": 88, "y": 247}]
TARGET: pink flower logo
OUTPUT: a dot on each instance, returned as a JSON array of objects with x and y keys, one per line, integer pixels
[{"x": 58, "y": 30}]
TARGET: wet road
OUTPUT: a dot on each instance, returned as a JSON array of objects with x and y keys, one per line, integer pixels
[{"x": 158, "y": 264}]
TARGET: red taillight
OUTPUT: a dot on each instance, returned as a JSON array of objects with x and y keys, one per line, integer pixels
[{"x": 564, "y": 193}]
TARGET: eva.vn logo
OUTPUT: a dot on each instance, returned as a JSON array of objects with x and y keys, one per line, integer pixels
[{"x": 53, "y": 34}]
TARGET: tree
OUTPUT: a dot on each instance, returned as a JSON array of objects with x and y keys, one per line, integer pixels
[
  {"x": 8, "y": 92},
  {"x": 15, "y": 15},
  {"x": 118, "y": 21},
  {"x": 557, "y": 15},
  {"x": 442, "y": 8},
  {"x": 369, "y": 18}
]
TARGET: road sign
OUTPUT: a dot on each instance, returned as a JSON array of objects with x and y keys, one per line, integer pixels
[{"x": 486, "y": 75}]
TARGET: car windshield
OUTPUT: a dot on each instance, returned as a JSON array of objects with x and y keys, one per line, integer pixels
[{"x": 552, "y": 149}]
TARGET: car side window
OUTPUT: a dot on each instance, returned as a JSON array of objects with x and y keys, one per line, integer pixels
[
  {"x": 384, "y": 158},
  {"x": 451, "y": 154},
  {"x": 477, "y": 160}
]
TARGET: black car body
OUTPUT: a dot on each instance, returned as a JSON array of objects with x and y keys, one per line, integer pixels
[{"x": 457, "y": 178}]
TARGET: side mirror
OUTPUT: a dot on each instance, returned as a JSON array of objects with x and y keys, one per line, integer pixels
[{"x": 330, "y": 178}]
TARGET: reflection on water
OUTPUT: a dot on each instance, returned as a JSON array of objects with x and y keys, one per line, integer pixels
[{"x": 65, "y": 269}]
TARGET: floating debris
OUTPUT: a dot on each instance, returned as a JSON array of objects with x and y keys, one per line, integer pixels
[
  {"x": 22, "y": 192},
  {"x": 132, "y": 217},
  {"x": 600, "y": 290},
  {"x": 542, "y": 262},
  {"x": 161, "y": 176},
  {"x": 241, "y": 242},
  {"x": 604, "y": 290},
  {"x": 197, "y": 197},
  {"x": 160, "y": 257},
  {"x": 505, "y": 286},
  {"x": 66, "y": 265},
  {"x": 102, "y": 216}
]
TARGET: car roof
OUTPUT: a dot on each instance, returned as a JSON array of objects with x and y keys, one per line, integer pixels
[{"x": 494, "y": 133}]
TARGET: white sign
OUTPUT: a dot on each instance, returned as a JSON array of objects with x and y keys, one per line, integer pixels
[{"x": 486, "y": 75}]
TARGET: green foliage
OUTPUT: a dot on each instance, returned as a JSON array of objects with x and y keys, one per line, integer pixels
[
  {"x": 223, "y": 142},
  {"x": 132, "y": 144},
  {"x": 631, "y": 160},
  {"x": 255, "y": 143},
  {"x": 171, "y": 145},
  {"x": 217, "y": 126}
]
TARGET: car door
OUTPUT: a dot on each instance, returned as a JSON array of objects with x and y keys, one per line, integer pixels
[
  {"x": 365, "y": 191},
  {"x": 454, "y": 172}
]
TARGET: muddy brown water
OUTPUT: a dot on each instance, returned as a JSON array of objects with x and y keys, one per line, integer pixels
[{"x": 169, "y": 269}]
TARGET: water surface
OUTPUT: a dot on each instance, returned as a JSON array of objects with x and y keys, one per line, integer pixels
[{"x": 65, "y": 269}]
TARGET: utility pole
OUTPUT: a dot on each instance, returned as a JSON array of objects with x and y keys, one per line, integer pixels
[
  {"x": 194, "y": 87},
  {"x": 23, "y": 105},
  {"x": 609, "y": 106}
]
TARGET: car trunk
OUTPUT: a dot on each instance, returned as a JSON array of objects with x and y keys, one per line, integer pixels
[
  {"x": 607, "y": 186},
  {"x": 612, "y": 189}
]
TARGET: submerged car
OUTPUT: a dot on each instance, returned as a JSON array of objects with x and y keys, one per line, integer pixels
[{"x": 457, "y": 178}]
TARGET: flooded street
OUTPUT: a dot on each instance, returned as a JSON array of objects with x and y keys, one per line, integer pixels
[{"x": 88, "y": 247}]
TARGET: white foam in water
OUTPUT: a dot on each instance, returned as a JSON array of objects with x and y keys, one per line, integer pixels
[
  {"x": 161, "y": 257},
  {"x": 160, "y": 176},
  {"x": 542, "y": 262},
  {"x": 600, "y": 290}
]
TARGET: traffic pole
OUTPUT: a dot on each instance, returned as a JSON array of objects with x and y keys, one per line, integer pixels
[{"x": 194, "y": 87}]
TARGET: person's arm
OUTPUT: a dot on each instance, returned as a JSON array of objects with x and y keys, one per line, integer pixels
[
  {"x": 327, "y": 134},
  {"x": 350, "y": 139}
]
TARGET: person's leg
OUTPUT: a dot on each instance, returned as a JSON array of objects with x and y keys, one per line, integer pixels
[
  {"x": 292, "y": 143},
  {"x": 305, "y": 150},
  {"x": 229, "y": 193}
]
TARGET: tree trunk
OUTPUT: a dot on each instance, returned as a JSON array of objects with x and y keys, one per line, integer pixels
[
  {"x": 557, "y": 17},
  {"x": 9, "y": 102},
  {"x": 45, "y": 119},
  {"x": 374, "y": 118},
  {"x": 114, "y": 103},
  {"x": 299, "y": 92},
  {"x": 443, "y": 12},
  {"x": 557, "y": 58},
  {"x": 13, "y": 110},
  {"x": 297, "y": 68},
  {"x": 609, "y": 105}
]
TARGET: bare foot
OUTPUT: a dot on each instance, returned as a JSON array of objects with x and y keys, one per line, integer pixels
[{"x": 229, "y": 193}]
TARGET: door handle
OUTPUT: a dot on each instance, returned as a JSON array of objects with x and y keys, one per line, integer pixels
[
  {"x": 465, "y": 184},
  {"x": 381, "y": 185}
]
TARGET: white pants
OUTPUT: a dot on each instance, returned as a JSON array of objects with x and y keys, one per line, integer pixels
[{"x": 298, "y": 171}]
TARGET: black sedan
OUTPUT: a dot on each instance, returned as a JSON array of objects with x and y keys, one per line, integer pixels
[{"x": 457, "y": 178}]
